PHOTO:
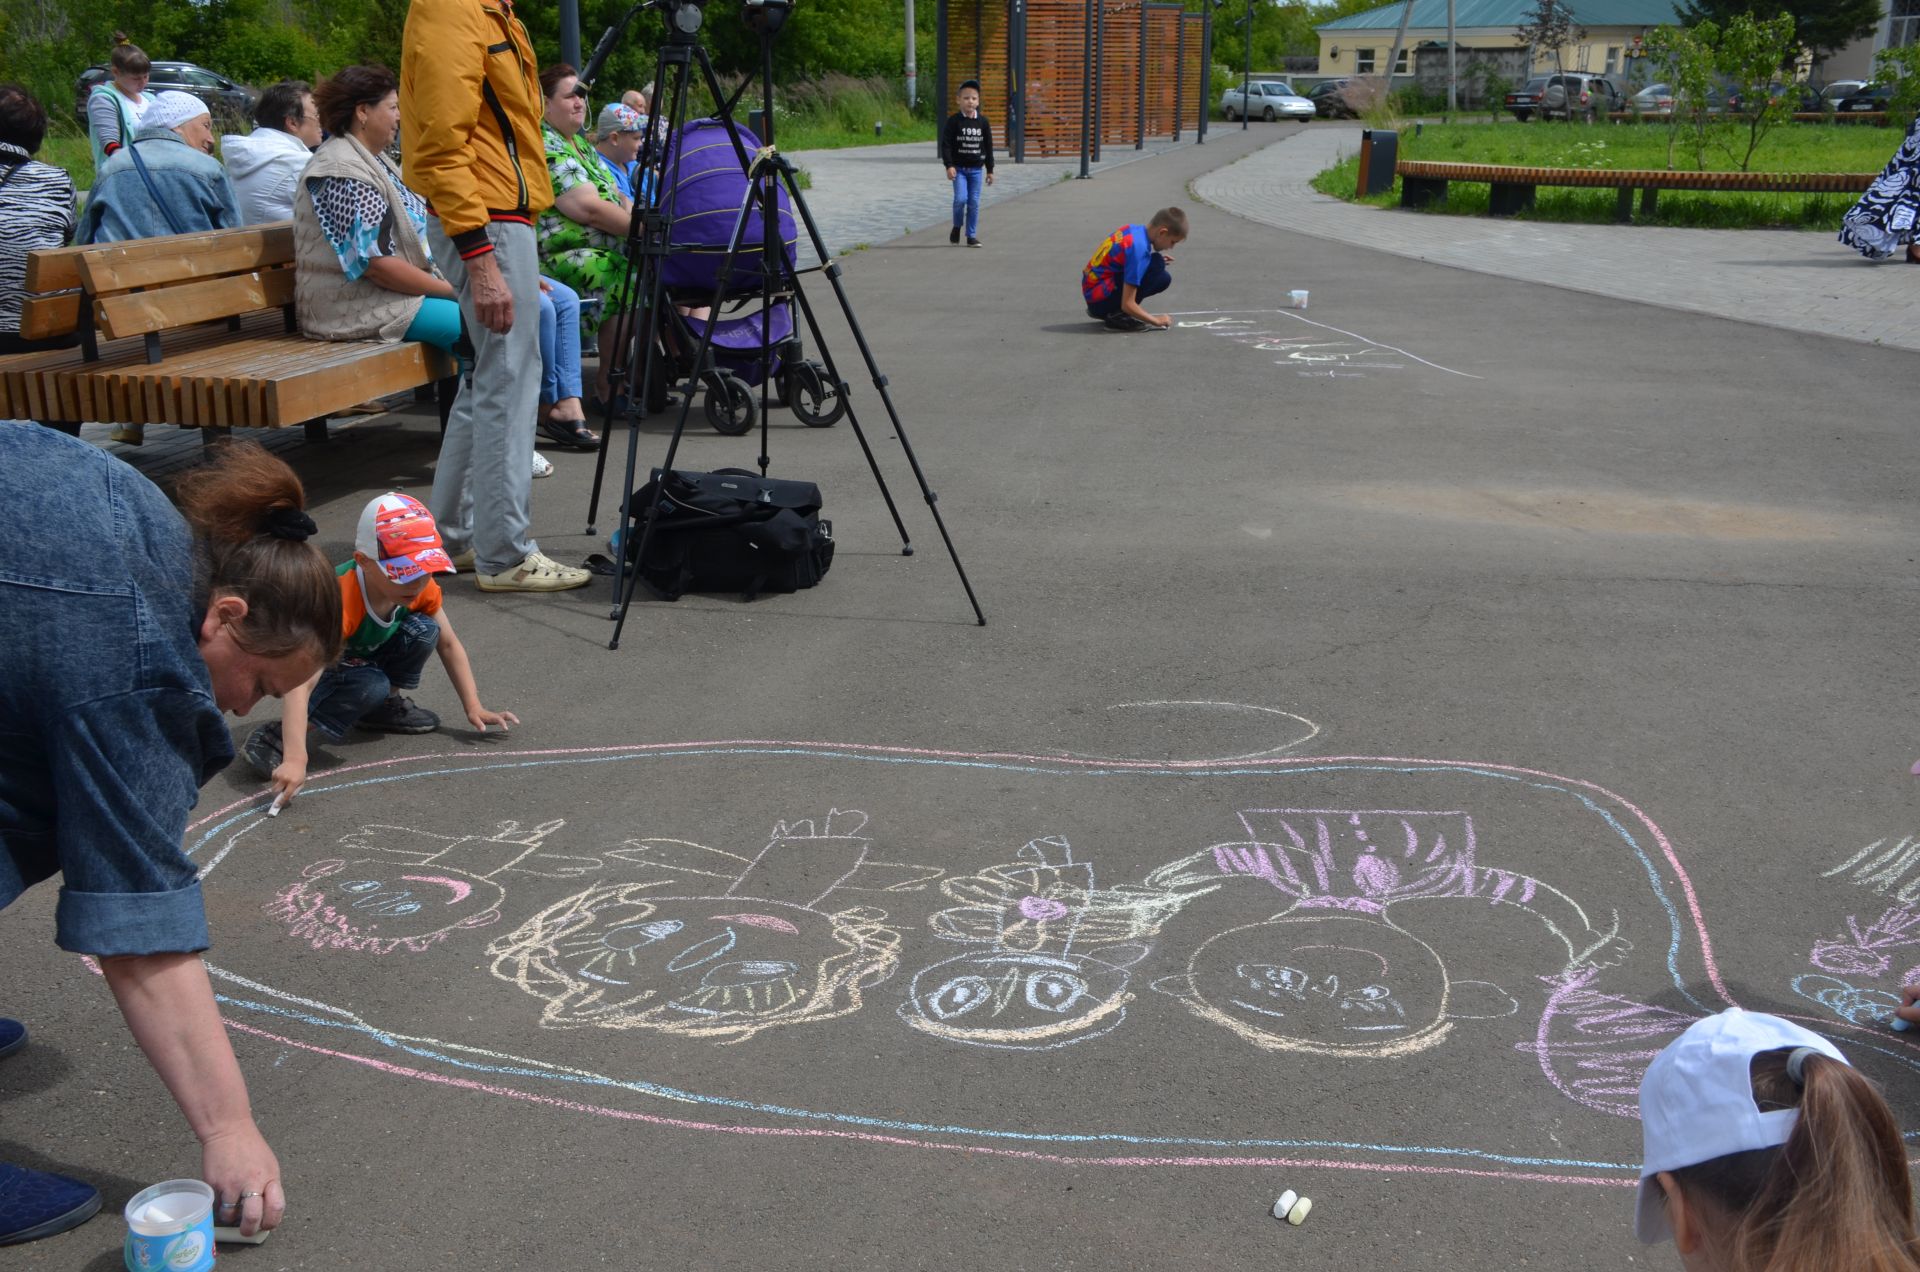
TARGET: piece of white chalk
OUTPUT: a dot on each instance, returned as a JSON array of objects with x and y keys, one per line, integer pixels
[
  {"x": 1298, "y": 1215},
  {"x": 1901, "y": 1024},
  {"x": 279, "y": 802},
  {"x": 221, "y": 1233},
  {"x": 1282, "y": 1206}
]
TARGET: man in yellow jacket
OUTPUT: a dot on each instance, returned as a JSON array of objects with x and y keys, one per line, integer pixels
[{"x": 470, "y": 135}]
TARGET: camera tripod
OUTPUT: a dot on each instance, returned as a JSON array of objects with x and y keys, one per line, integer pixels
[{"x": 636, "y": 331}]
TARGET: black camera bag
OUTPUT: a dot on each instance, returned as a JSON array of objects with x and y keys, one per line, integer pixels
[{"x": 728, "y": 531}]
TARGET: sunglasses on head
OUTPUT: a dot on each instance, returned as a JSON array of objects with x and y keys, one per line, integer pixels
[{"x": 579, "y": 90}]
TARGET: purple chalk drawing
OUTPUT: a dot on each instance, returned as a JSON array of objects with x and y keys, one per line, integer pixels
[
  {"x": 1040, "y": 909},
  {"x": 1863, "y": 951}
]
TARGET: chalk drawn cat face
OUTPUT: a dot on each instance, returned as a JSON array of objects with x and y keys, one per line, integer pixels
[
  {"x": 1331, "y": 984},
  {"x": 1022, "y": 1000},
  {"x": 380, "y": 906},
  {"x": 706, "y": 966}
]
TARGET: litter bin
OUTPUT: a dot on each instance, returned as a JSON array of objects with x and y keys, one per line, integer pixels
[{"x": 1379, "y": 151}]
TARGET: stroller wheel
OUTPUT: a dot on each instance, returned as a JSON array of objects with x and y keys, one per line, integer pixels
[
  {"x": 730, "y": 405},
  {"x": 818, "y": 404}
]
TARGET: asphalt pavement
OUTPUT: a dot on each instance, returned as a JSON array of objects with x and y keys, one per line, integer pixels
[{"x": 1393, "y": 721}]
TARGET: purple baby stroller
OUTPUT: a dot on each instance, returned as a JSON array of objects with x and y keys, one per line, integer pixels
[{"x": 706, "y": 186}]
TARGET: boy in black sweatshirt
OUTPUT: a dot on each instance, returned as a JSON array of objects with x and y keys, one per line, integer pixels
[{"x": 966, "y": 147}]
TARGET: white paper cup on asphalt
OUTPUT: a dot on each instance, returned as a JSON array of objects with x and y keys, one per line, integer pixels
[
  {"x": 1296, "y": 300},
  {"x": 170, "y": 1228}
]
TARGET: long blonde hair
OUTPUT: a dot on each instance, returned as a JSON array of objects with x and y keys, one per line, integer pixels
[{"x": 1834, "y": 1198}]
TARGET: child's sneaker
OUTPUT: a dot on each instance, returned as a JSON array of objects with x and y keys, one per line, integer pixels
[
  {"x": 955, "y": 236},
  {"x": 1125, "y": 322},
  {"x": 974, "y": 242},
  {"x": 399, "y": 715},
  {"x": 541, "y": 466},
  {"x": 264, "y": 750}
]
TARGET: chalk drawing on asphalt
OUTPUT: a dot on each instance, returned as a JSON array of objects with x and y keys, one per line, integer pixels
[
  {"x": 1293, "y": 731},
  {"x": 1291, "y": 930},
  {"x": 1310, "y": 352},
  {"x": 773, "y": 947}
]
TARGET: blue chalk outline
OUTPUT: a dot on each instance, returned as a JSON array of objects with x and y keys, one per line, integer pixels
[{"x": 411, "y": 1048}]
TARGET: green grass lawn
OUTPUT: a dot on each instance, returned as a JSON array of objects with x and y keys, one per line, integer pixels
[{"x": 1788, "y": 148}]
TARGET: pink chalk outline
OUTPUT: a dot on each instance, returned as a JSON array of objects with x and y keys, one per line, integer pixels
[{"x": 1065, "y": 763}]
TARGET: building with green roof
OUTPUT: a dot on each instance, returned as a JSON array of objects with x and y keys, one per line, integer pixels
[{"x": 1614, "y": 29}]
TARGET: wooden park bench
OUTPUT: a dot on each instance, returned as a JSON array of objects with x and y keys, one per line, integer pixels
[
  {"x": 1512, "y": 187},
  {"x": 196, "y": 330}
]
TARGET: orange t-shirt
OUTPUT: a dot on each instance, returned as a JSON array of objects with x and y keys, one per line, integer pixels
[{"x": 363, "y": 632}]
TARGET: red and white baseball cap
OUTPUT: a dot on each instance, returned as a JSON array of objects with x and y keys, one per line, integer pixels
[
  {"x": 397, "y": 531},
  {"x": 1696, "y": 1101}
]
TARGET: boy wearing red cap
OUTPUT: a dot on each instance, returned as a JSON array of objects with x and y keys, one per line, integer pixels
[{"x": 392, "y": 619}]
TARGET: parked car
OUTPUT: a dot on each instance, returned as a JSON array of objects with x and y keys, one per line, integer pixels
[
  {"x": 1872, "y": 97},
  {"x": 1776, "y": 92},
  {"x": 1269, "y": 99},
  {"x": 1525, "y": 100},
  {"x": 1578, "y": 96},
  {"x": 222, "y": 95},
  {"x": 1657, "y": 100},
  {"x": 1829, "y": 97},
  {"x": 1329, "y": 99}
]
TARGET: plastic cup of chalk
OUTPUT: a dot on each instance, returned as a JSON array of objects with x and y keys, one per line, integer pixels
[
  {"x": 170, "y": 1228},
  {"x": 1296, "y": 299}
]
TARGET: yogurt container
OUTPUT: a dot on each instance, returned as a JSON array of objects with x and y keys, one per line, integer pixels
[{"x": 170, "y": 1228}]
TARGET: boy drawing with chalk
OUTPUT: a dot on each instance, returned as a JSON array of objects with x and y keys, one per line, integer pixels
[
  {"x": 1129, "y": 266},
  {"x": 392, "y": 618},
  {"x": 966, "y": 148}
]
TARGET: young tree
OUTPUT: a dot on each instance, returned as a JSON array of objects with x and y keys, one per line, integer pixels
[
  {"x": 1686, "y": 63},
  {"x": 1549, "y": 25},
  {"x": 1747, "y": 56}
]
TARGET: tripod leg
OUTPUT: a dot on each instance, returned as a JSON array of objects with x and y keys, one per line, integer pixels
[{"x": 832, "y": 271}]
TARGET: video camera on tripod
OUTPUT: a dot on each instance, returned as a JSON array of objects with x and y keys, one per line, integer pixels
[{"x": 654, "y": 336}]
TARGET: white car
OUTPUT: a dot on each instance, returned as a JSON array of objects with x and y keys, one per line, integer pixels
[{"x": 1268, "y": 100}]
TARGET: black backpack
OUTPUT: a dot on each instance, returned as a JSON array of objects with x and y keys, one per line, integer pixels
[{"x": 728, "y": 531}]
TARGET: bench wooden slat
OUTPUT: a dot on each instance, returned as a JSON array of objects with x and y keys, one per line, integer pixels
[
  {"x": 36, "y": 378},
  {"x": 137, "y": 313},
  {"x": 54, "y": 269},
  {"x": 106, "y": 268},
  {"x": 44, "y": 317}
]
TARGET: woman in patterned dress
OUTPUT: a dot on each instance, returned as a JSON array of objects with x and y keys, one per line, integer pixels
[
  {"x": 36, "y": 206},
  {"x": 1883, "y": 221},
  {"x": 582, "y": 235}
]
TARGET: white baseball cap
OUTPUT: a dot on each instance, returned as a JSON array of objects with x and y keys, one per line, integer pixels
[{"x": 1696, "y": 1101}]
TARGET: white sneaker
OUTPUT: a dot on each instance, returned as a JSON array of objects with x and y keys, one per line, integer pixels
[
  {"x": 538, "y": 573},
  {"x": 541, "y": 466}
]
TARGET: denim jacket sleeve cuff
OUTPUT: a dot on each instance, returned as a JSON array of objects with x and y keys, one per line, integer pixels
[{"x": 110, "y": 924}]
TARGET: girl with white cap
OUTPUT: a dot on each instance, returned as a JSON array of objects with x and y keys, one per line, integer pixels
[{"x": 1766, "y": 1150}]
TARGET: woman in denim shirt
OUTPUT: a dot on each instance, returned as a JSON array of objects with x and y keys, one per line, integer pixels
[{"x": 106, "y": 739}]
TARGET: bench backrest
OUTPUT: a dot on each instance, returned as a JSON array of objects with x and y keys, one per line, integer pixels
[{"x": 142, "y": 287}]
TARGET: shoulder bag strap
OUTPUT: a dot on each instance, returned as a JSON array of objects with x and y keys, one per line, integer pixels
[{"x": 140, "y": 166}]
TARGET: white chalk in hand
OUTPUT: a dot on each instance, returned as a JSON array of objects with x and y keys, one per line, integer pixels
[
  {"x": 1901, "y": 1024},
  {"x": 279, "y": 802},
  {"x": 223, "y": 1233}
]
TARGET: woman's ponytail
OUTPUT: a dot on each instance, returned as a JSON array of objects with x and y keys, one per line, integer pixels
[
  {"x": 249, "y": 511},
  {"x": 1835, "y": 1196}
]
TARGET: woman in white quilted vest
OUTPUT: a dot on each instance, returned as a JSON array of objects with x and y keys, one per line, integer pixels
[{"x": 362, "y": 269}]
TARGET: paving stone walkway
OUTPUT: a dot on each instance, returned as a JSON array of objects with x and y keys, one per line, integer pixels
[
  {"x": 1799, "y": 280},
  {"x": 871, "y": 194}
]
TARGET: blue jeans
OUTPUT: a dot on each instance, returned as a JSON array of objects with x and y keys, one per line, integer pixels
[
  {"x": 559, "y": 342},
  {"x": 354, "y": 686},
  {"x": 1155, "y": 281},
  {"x": 967, "y": 184}
]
